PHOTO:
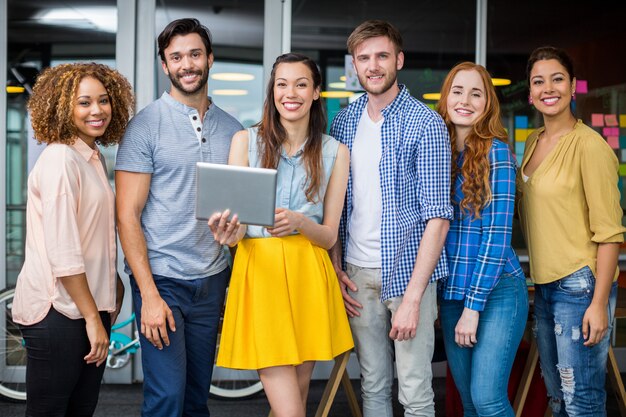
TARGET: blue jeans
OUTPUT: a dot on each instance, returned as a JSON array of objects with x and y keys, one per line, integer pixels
[
  {"x": 177, "y": 378},
  {"x": 481, "y": 373},
  {"x": 574, "y": 374}
]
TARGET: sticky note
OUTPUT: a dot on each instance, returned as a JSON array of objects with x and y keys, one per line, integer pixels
[
  {"x": 610, "y": 120},
  {"x": 623, "y": 158},
  {"x": 521, "y": 122},
  {"x": 597, "y": 120},
  {"x": 622, "y": 142},
  {"x": 610, "y": 131},
  {"x": 622, "y": 170},
  {"x": 521, "y": 135},
  {"x": 613, "y": 141},
  {"x": 622, "y": 120},
  {"x": 581, "y": 86},
  {"x": 519, "y": 147}
]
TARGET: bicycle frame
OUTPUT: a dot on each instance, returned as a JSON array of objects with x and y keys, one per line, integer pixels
[{"x": 121, "y": 346}]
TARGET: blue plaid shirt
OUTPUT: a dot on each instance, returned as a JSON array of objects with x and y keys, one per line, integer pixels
[
  {"x": 479, "y": 250},
  {"x": 414, "y": 180}
]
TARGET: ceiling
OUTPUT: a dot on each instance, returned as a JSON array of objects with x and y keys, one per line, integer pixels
[
  {"x": 437, "y": 34},
  {"x": 428, "y": 26}
]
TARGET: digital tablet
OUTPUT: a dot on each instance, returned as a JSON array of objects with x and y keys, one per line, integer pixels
[{"x": 248, "y": 192}]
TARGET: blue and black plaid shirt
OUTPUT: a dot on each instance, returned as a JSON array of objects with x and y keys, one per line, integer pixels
[
  {"x": 414, "y": 180},
  {"x": 479, "y": 250}
]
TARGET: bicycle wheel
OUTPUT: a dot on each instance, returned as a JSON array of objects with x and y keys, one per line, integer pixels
[
  {"x": 12, "y": 352},
  {"x": 233, "y": 384}
]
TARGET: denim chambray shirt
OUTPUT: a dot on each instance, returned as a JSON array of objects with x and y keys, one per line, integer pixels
[{"x": 291, "y": 181}]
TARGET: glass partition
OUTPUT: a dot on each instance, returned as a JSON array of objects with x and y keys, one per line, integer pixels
[{"x": 40, "y": 34}]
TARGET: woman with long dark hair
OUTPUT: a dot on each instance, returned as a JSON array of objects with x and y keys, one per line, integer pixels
[
  {"x": 284, "y": 309},
  {"x": 572, "y": 220}
]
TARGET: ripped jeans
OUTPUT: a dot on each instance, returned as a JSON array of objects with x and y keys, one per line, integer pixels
[{"x": 574, "y": 374}]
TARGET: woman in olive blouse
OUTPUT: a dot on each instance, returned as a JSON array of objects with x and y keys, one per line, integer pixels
[{"x": 571, "y": 217}]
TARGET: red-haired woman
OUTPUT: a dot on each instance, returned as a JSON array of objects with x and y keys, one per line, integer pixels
[{"x": 484, "y": 302}]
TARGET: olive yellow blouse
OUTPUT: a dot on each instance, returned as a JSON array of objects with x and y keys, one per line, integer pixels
[{"x": 570, "y": 204}]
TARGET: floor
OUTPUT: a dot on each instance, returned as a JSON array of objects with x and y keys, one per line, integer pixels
[{"x": 125, "y": 400}]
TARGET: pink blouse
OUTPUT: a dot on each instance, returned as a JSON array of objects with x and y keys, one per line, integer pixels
[{"x": 70, "y": 229}]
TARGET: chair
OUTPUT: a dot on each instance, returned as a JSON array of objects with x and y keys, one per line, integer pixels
[
  {"x": 338, "y": 375},
  {"x": 527, "y": 378},
  {"x": 615, "y": 377}
]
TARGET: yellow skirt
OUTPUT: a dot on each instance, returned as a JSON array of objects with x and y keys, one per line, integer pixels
[{"x": 284, "y": 306}]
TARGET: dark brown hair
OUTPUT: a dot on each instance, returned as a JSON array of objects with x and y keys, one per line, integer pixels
[
  {"x": 373, "y": 29},
  {"x": 550, "y": 52},
  {"x": 475, "y": 169},
  {"x": 182, "y": 27},
  {"x": 52, "y": 102},
  {"x": 272, "y": 134}
]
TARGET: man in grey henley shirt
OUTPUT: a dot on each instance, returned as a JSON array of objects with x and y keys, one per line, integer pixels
[{"x": 178, "y": 272}]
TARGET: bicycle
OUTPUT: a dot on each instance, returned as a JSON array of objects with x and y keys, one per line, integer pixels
[
  {"x": 12, "y": 352},
  {"x": 226, "y": 383}
]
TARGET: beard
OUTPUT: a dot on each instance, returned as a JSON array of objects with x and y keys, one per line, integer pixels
[
  {"x": 389, "y": 81},
  {"x": 192, "y": 89}
]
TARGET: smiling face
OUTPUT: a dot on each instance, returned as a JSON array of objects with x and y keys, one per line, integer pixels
[
  {"x": 294, "y": 92},
  {"x": 187, "y": 64},
  {"x": 92, "y": 110},
  {"x": 551, "y": 87},
  {"x": 377, "y": 64},
  {"x": 467, "y": 99}
]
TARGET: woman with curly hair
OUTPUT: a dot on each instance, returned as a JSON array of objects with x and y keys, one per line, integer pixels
[
  {"x": 484, "y": 304},
  {"x": 67, "y": 294}
]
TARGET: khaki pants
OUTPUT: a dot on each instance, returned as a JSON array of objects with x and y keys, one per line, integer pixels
[{"x": 376, "y": 351}]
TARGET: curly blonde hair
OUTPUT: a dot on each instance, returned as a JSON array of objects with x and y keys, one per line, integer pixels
[
  {"x": 52, "y": 102},
  {"x": 475, "y": 169}
]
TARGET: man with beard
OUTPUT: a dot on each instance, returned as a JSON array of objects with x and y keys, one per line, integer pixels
[
  {"x": 178, "y": 272},
  {"x": 394, "y": 225}
]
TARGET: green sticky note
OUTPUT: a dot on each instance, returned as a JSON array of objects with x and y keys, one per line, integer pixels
[{"x": 622, "y": 170}]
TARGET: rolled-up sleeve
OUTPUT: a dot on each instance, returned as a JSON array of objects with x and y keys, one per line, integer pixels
[
  {"x": 433, "y": 170},
  {"x": 599, "y": 168}
]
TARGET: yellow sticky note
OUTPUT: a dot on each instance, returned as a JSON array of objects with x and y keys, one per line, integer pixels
[
  {"x": 622, "y": 120},
  {"x": 522, "y": 134},
  {"x": 622, "y": 170}
]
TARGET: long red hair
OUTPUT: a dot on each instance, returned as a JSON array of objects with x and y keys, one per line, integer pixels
[{"x": 475, "y": 169}]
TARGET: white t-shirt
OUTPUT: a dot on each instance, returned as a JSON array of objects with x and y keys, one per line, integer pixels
[{"x": 363, "y": 248}]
